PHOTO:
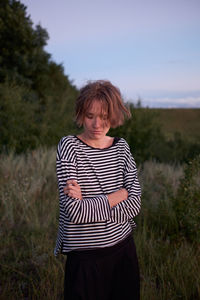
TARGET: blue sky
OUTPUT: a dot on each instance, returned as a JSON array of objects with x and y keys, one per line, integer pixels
[{"x": 148, "y": 48}]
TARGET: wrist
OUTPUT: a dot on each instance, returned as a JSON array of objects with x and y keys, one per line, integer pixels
[{"x": 117, "y": 197}]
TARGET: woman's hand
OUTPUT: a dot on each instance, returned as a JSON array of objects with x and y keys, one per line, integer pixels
[
  {"x": 116, "y": 197},
  {"x": 72, "y": 189}
]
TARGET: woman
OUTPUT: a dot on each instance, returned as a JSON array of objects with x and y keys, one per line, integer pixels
[{"x": 99, "y": 197}]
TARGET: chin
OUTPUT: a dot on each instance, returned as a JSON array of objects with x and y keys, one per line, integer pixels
[{"x": 97, "y": 136}]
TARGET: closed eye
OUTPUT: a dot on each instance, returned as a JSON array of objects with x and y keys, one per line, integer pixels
[{"x": 89, "y": 116}]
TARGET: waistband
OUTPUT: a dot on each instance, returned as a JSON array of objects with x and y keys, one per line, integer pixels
[{"x": 100, "y": 252}]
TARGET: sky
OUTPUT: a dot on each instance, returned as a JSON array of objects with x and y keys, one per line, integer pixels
[{"x": 150, "y": 49}]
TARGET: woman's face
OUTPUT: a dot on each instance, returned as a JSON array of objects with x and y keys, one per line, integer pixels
[{"x": 96, "y": 123}]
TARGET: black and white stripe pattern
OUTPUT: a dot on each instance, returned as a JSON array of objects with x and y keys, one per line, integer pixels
[{"x": 91, "y": 223}]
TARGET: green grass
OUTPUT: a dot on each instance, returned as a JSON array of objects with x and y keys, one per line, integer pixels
[
  {"x": 29, "y": 215},
  {"x": 185, "y": 121},
  {"x": 169, "y": 262}
]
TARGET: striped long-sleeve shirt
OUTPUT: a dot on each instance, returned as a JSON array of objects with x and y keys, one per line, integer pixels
[{"x": 91, "y": 223}]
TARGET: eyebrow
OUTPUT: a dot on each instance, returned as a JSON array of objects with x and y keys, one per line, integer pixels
[{"x": 91, "y": 114}]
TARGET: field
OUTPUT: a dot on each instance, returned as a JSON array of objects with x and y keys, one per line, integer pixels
[
  {"x": 169, "y": 254},
  {"x": 36, "y": 101},
  {"x": 185, "y": 121}
]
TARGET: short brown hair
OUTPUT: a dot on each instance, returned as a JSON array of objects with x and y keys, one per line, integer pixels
[{"x": 110, "y": 97}]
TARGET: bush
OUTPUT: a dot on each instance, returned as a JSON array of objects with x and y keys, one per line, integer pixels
[
  {"x": 19, "y": 128},
  {"x": 186, "y": 203},
  {"x": 142, "y": 133}
]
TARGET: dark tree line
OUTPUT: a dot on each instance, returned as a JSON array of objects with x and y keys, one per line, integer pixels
[{"x": 36, "y": 97}]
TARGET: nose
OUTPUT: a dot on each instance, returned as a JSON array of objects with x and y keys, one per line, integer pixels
[{"x": 97, "y": 122}]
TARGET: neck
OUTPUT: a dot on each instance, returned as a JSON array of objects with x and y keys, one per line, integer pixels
[{"x": 101, "y": 143}]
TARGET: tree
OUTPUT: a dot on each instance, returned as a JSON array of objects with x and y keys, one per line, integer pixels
[
  {"x": 142, "y": 132},
  {"x": 19, "y": 128},
  {"x": 22, "y": 55},
  {"x": 35, "y": 83}
]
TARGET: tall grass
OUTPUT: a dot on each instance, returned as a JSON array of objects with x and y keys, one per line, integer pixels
[
  {"x": 29, "y": 214},
  {"x": 169, "y": 262}
]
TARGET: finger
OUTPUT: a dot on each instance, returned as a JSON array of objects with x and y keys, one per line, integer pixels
[
  {"x": 74, "y": 182},
  {"x": 70, "y": 181},
  {"x": 66, "y": 187},
  {"x": 72, "y": 195},
  {"x": 71, "y": 190},
  {"x": 66, "y": 190}
]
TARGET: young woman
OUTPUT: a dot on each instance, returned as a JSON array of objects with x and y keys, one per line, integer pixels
[{"x": 99, "y": 198}]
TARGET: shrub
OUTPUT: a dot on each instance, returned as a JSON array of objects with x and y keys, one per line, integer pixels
[{"x": 186, "y": 203}]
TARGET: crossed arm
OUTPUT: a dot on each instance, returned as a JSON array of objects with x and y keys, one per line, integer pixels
[{"x": 72, "y": 189}]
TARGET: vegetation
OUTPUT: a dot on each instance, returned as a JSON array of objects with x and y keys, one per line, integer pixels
[
  {"x": 148, "y": 140},
  {"x": 167, "y": 237},
  {"x": 36, "y": 97},
  {"x": 182, "y": 120},
  {"x": 36, "y": 110}
]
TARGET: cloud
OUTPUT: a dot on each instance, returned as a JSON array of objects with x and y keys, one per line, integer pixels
[{"x": 167, "y": 102}]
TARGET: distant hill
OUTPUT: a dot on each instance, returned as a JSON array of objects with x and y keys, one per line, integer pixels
[{"x": 185, "y": 121}]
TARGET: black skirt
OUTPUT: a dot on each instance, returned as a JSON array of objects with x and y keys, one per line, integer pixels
[{"x": 110, "y": 273}]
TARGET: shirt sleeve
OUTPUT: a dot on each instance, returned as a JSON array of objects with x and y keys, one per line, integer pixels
[
  {"x": 129, "y": 208},
  {"x": 87, "y": 210}
]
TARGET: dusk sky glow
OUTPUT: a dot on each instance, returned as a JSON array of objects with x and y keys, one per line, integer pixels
[{"x": 148, "y": 48}]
